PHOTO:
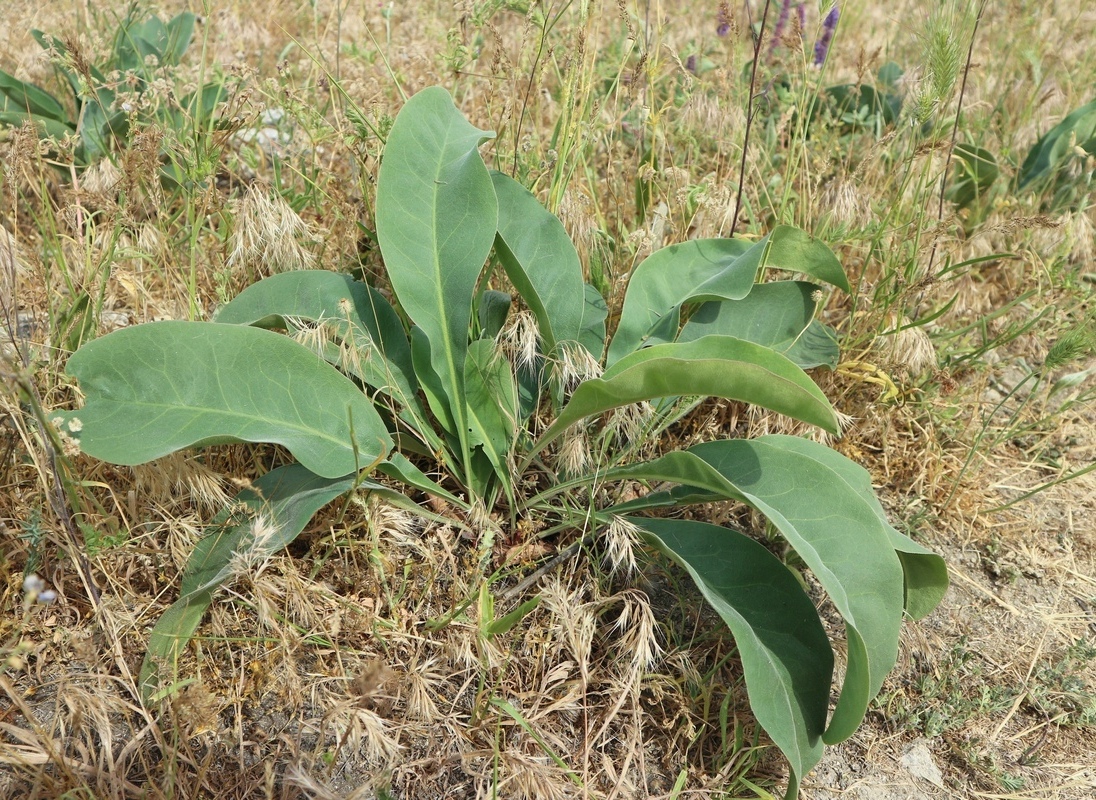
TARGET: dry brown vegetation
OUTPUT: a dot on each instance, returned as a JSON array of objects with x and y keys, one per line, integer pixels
[{"x": 355, "y": 664}]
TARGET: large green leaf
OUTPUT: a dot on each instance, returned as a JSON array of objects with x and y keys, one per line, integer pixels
[
  {"x": 153, "y": 389},
  {"x": 594, "y": 312},
  {"x": 926, "y": 574},
  {"x": 711, "y": 269},
  {"x": 541, "y": 262},
  {"x": 703, "y": 269},
  {"x": 354, "y": 310},
  {"x": 717, "y": 366},
  {"x": 264, "y": 519},
  {"x": 786, "y": 657},
  {"x": 436, "y": 222},
  {"x": 1047, "y": 155},
  {"x": 829, "y": 516},
  {"x": 779, "y": 315}
]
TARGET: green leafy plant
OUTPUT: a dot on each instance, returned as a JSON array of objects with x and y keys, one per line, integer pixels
[
  {"x": 104, "y": 106},
  {"x": 471, "y": 257},
  {"x": 1061, "y": 162},
  {"x": 974, "y": 171},
  {"x": 853, "y": 107}
]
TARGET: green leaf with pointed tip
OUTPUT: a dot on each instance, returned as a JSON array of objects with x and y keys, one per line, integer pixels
[
  {"x": 717, "y": 366},
  {"x": 436, "y": 222},
  {"x": 157, "y": 388},
  {"x": 697, "y": 270},
  {"x": 779, "y": 315},
  {"x": 925, "y": 573},
  {"x": 827, "y": 514},
  {"x": 399, "y": 467},
  {"x": 786, "y": 657},
  {"x": 27, "y": 97},
  {"x": 711, "y": 269},
  {"x": 541, "y": 262},
  {"x": 353, "y": 310},
  {"x": 1055, "y": 147},
  {"x": 278, "y": 506}
]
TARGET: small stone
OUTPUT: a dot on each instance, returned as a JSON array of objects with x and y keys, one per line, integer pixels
[{"x": 919, "y": 762}]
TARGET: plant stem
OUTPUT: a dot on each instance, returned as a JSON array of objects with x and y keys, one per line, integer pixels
[
  {"x": 749, "y": 120},
  {"x": 955, "y": 130}
]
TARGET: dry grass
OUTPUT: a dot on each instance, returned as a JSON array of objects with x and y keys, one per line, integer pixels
[{"x": 356, "y": 664}]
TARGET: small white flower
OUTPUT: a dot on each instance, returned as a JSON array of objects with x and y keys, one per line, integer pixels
[{"x": 32, "y": 584}]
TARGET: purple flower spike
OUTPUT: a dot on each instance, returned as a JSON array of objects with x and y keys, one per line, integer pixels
[
  {"x": 690, "y": 63},
  {"x": 781, "y": 23},
  {"x": 822, "y": 46},
  {"x": 723, "y": 21}
]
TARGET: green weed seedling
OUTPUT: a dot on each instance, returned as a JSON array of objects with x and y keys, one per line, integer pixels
[
  {"x": 491, "y": 368},
  {"x": 103, "y": 106}
]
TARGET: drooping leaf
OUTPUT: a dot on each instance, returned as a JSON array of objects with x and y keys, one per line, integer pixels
[
  {"x": 711, "y": 269},
  {"x": 925, "y": 573},
  {"x": 1047, "y": 155},
  {"x": 697, "y": 270},
  {"x": 157, "y": 388},
  {"x": 348, "y": 307},
  {"x": 831, "y": 521},
  {"x": 786, "y": 657},
  {"x": 716, "y": 366},
  {"x": 278, "y": 506},
  {"x": 541, "y": 262},
  {"x": 26, "y": 97},
  {"x": 436, "y": 222},
  {"x": 779, "y": 315}
]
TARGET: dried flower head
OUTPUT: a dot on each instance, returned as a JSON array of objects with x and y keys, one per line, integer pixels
[
  {"x": 620, "y": 538},
  {"x": 268, "y": 234}
]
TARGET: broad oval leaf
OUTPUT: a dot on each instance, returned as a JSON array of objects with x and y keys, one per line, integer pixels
[
  {"x": 779, "y": 315},
  {"x": 541, "y": 262},
  {"x": 837, "y": 531},
  {"x": 786, "y": 657},
  {"x": 356, "y": 312},
  {"x": 711, "y": 269},
  {"x": 156, "y": 388},
  {"x": 925, "y": 573},
  {"x": 436, "y": 222},
  {"x": 701, "y": 269},
  {"x": 275, "y": 509},
  {"x": 717, "y": 366}
]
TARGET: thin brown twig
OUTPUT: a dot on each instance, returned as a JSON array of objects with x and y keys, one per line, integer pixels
[
  {"x": 750, "y": 110},
  {"x": 955, "y": 130},
  {"x": 548, "y": 566}
]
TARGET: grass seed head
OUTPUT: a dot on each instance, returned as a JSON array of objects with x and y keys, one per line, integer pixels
[{"x": 268, "y": 235}]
